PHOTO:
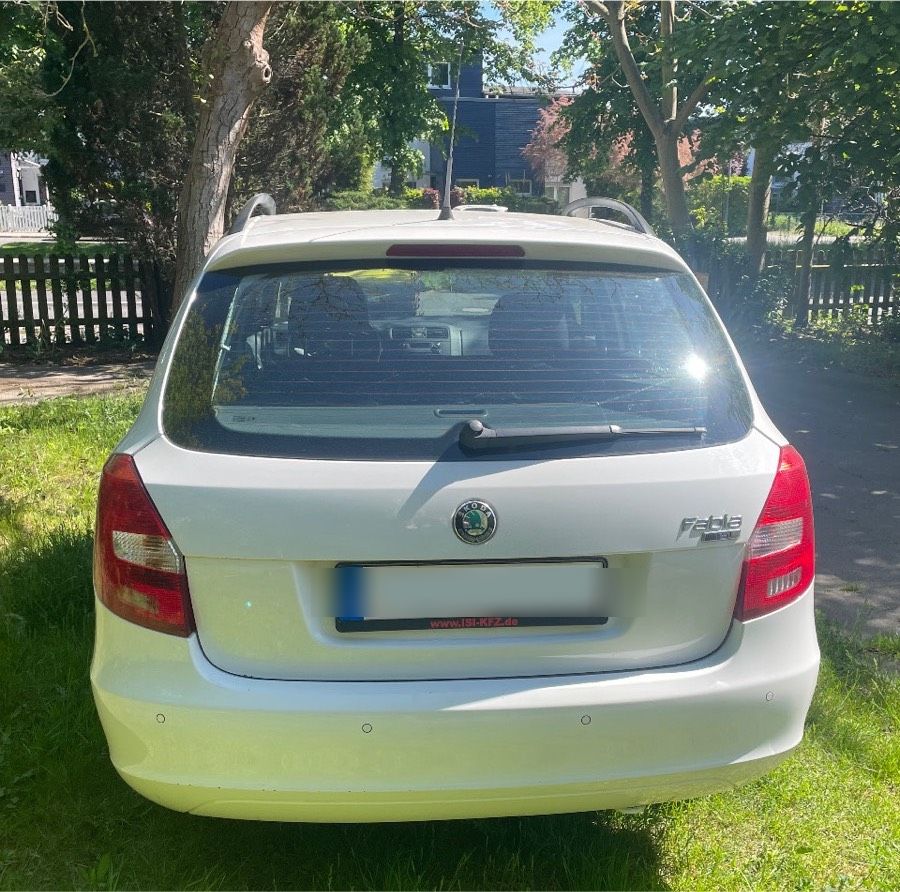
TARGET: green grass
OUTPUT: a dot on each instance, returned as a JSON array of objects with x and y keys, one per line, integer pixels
[
  {"x": 31, "y": 248},
  {"x": 791, "y": 223},
  {"x": 828, "y": 818}
]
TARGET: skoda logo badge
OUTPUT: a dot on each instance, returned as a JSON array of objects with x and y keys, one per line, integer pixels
[{"x": 474, "y": 522}]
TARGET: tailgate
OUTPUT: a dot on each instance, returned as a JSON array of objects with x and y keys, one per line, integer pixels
[{"x": 596, "y": 548}]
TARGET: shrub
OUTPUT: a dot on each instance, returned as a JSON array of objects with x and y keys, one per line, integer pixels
[
  {"x": 484, "y": 195},
  {"x": 531, "y": 204},
  {"x": 363, "y": 201},
  {"x": 433, "y": 198},
  {"x": 720, "y": 203}
]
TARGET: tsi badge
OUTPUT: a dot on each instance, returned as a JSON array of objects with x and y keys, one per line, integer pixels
[
  {"x": 713, "y": 528},
  {"x": 474, "y": 522}
]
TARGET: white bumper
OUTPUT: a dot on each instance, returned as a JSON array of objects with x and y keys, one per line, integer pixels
[{"x": 194, "y": 738}]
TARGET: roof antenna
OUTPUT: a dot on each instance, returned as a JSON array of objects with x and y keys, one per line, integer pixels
[{"x": 446, "y": 212}]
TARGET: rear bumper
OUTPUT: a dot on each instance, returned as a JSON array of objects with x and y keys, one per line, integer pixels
[{"x": 194, "y": 738}]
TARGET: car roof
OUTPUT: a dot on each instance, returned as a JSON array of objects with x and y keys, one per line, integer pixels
[{"x": 366, "y": 235}]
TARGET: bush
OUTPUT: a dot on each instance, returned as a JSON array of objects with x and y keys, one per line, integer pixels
[
  {"x": 484, "y": 195},
  {"x": 433, "y": 198},
  {"x": 363, "y": 201},
  {"x": 720, "y": 203},
  {"x": 529, "y": 204}
]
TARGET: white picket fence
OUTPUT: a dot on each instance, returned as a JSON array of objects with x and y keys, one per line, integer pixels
[{"x": 25, "y": 219}]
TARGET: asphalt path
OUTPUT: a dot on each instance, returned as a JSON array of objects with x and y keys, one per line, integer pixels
[
  {"x": 30, "y": 384},
  {"x": 847, "y": 427}
]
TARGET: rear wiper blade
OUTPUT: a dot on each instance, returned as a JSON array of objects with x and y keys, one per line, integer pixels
[{"x": 477, "y": 435}]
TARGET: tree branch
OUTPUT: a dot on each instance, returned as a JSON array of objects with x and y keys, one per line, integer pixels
[
  {"x": 614, "y": 15},
  {"x": 669, "y": 106},
  {"x": 687, "y": 109}
]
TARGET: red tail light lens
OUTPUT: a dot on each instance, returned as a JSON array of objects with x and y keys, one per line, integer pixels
[
  {"x": 138, "y": 572},
  {"x": 780, "y": 562}
]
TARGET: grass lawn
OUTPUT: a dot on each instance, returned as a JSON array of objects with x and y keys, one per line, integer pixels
[
  {"x": 30, "y": 248},
  {"x": 791, "y": 223},
  {"x": 828, "y": 818}
]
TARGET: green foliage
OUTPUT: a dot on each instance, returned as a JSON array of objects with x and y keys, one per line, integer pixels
[
  {"x": 21, "y": 94},
  {"x": 779, "y": 74},
  {"x": 305, "y": 136},
  {"x": 431, "y": 198},
  {"x": 365, "y": 200},
  {"x": 720, "y": 202},
  {"x": 852, "y": 340},
  {"x": 120, "y": 114},
  {"x": 390, "y": 80},
  {"x": 823, "y": 74},
  {"x": 608, "y": 142}
]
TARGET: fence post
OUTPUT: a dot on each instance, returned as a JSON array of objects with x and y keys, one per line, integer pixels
[
  {"x": 12, "y": 300},
  {"x": 59, "y": 322},
  {"x": 72, "y": 300},
  {"x": 115, "y": 290},
  {"x": 40, "y": 280},
  {"x": 87, "y": 297},
  {"x": 27, "y": 305},
  {"x": 128, "y": 272}
]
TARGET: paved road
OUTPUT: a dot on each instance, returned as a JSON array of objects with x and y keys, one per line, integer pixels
[{"x": 848, "y": 430}]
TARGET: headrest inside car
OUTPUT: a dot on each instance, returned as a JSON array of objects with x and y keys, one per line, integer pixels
[{"x": 529, "y": 324}]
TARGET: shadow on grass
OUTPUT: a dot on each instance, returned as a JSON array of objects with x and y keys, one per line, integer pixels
[
  {"x": 46, "y": 583},
  {"x": 856, "y": 696},
  {"x": 61, "y": 786}
]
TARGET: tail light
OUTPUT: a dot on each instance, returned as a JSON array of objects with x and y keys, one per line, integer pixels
[
  {"x": 138, "y": 572},
  {"x": 780, "y": 562}
]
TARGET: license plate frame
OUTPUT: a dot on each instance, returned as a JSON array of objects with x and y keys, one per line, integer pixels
[{"x": 350, "y": 575}]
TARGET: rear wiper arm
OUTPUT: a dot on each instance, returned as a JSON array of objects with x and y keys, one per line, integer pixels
[{"x": 476, "y": 435}]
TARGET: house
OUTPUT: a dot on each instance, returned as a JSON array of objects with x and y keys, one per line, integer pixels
[
  {"x": 21, "y": 182},
  {"x": 492, "y": 129}
]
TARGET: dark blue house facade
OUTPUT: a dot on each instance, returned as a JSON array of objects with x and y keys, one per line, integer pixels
[{"x": 492, "y": 129}]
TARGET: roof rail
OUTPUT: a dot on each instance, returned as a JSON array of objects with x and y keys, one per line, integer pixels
[
  {"x": 262, "y": 202},
  {"x": 635, "y": 220}
]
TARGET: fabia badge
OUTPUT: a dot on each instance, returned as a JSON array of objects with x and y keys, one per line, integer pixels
[{"x": 474, "y": 522}]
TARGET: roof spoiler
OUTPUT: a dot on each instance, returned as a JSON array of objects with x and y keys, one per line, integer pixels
[
  {"x": 262, "y": 202},
  {"x": 635, "y": 220}
]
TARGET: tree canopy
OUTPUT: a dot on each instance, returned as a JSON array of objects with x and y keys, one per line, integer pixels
[{"x": 820, "y": 77}]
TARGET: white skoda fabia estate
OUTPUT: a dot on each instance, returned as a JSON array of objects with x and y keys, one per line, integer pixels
[{"x": 450, "y": 518}]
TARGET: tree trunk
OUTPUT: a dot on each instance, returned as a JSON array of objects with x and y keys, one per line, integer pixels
[
  {"x": 801, "y": 295},
  {"x": 673, "y": 187},
  {"x": 648, "y": 181},
  {"x": 758, "y": 210},
  {"x": 666, "y": 121},
  {"x": 398, "y": 175},
  {"x": 236, "y": 69}
]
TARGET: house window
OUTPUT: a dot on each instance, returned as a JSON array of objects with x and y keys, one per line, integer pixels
[
  {"x": 439, "y": 75},
  {"x": 560, "y": 194},
  {"x": 30, "y": 196},
  {"x": 523, "y": 187},
  {"x": 464, "y": 183}
]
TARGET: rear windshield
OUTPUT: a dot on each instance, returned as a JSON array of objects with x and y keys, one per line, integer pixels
[{"x": 389, "y": 362}]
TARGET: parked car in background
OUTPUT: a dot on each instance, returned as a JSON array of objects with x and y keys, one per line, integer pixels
[{"x": 449, "y": 518}]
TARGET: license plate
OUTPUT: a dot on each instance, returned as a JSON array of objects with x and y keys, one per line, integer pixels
[{"x": 465, "y": 596}]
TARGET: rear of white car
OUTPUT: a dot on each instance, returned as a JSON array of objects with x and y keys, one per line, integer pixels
[{"x": 449, "y": 519}]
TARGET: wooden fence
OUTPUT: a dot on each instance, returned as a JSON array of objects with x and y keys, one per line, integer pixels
[
  {"x": 78, "y": 299},
  {"x": 81, "y": 299},
  {"x": 839, "y": 280},
  {"x": 29, "y": 218}
]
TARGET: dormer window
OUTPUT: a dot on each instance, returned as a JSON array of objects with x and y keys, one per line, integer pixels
[{"x": 439, "y": 75}]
